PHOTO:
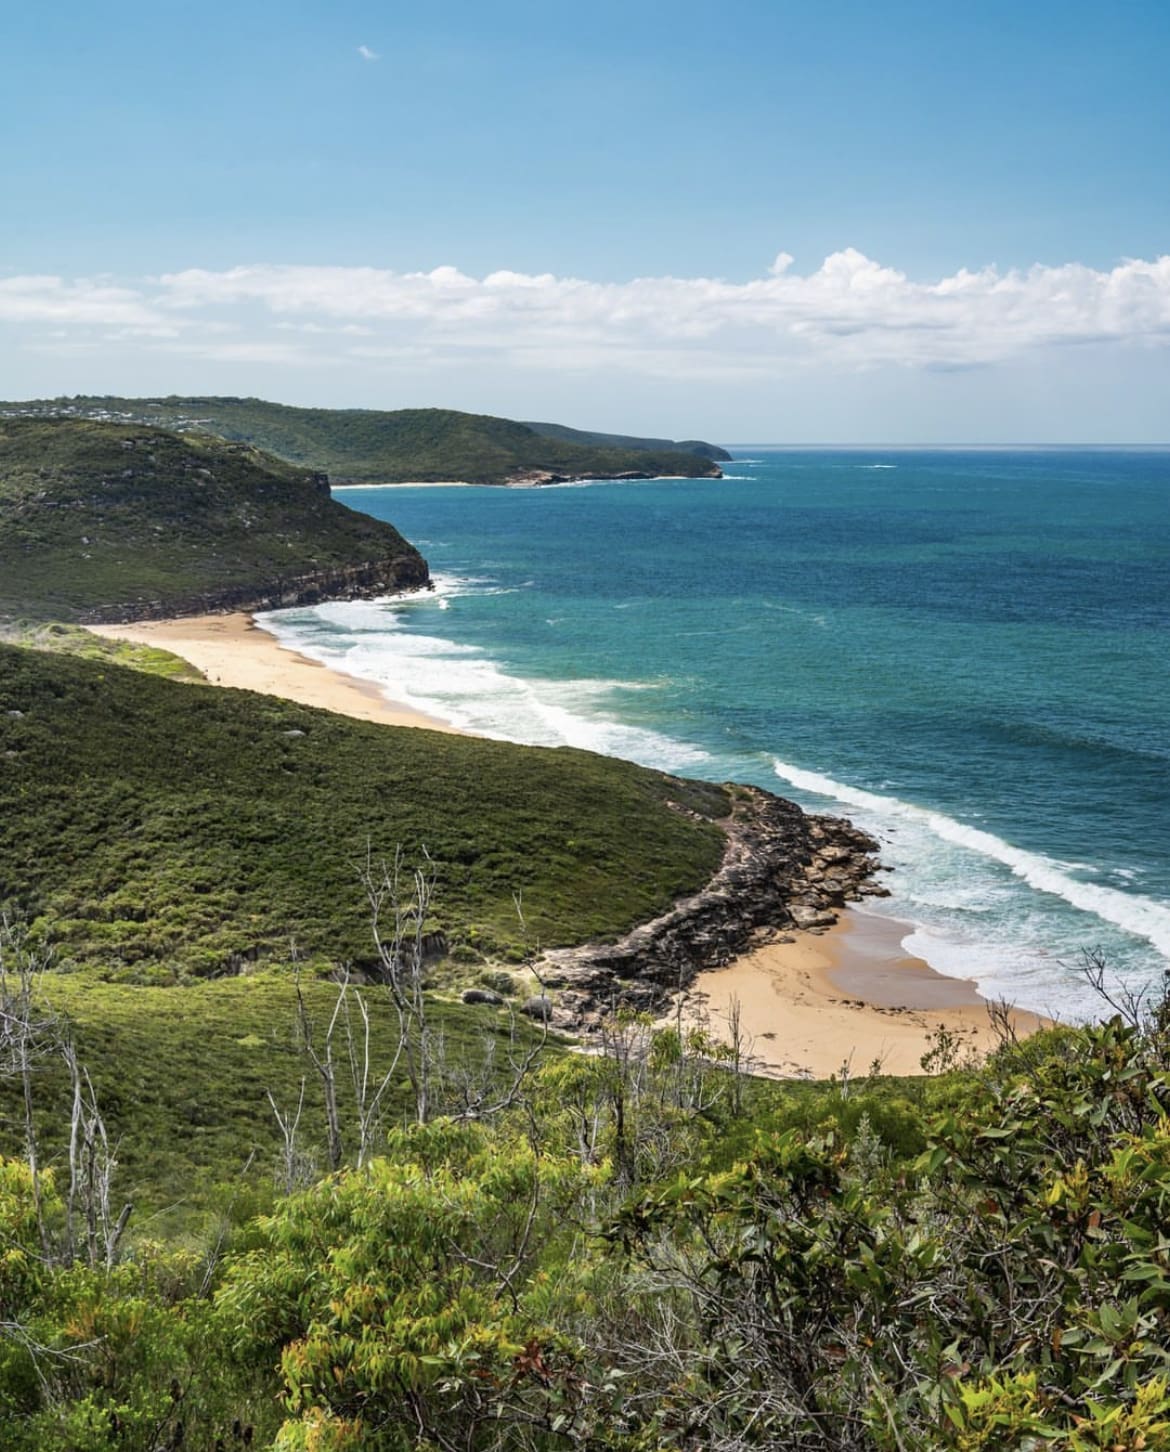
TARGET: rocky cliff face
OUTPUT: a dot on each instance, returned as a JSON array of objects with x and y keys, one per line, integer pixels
[
  {"x": 782, "y": 868},
  {"x": 351, "y": 582},
  {"x": 534, "y": 478}
]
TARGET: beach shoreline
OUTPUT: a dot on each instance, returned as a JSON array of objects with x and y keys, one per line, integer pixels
[
  {"x": 232, "y": 650},
  {"x": 412, "y": 484},
  {"x": 810, "y": 1001},
  {"x": 812, "y": 1005}
]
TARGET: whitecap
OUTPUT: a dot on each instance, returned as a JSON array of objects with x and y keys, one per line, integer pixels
[{"x": 1141, "y": 917}]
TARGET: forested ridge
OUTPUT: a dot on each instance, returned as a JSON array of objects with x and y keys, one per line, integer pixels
[
  {"x": 117, "y": 521},
  {"x": 378, "y": 446}
]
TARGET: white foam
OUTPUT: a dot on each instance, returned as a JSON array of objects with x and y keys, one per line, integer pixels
[
  {"x": 459, "y": 683},
  {"x": 1141, "y": 917}
]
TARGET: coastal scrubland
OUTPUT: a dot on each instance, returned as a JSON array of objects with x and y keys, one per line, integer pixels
[
  {"x": 170, "y": 830},
  {"x": 640, "y": 1250},
  {"x": 414, "y": 444},
  {"x": 270, "y": 1178},
  {"x": 122, "y": 519}
]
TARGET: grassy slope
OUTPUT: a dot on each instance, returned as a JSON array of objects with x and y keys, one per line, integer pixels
[
  {"x": 100, "y": 514},
  {"x": 76, "y": 640},
  {"x": 183, "y": 1075},
  {"x": 172, "y": 830},
  {"x": 374, "y": 446}
]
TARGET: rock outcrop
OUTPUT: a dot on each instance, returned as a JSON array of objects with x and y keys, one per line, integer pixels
[
  {"x": 351, "y": 582},
  {"x": 782, "y": 869},
  {"x": 535, "y": 478}
]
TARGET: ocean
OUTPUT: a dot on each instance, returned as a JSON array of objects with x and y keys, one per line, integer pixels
[{"x": 963, "y": 651}]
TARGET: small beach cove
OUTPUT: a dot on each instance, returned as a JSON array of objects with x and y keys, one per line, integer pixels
[
  {"x": 810, "y": 1001},
  {"x": 232, "y": 650}
]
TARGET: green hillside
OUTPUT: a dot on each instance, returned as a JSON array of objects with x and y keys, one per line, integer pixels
[
  {"x": 114, "y": 520},
  {"x": 630, "y": 441},
  {"x": 171, "y": 830},
  {"x": 373, "y": 446}
]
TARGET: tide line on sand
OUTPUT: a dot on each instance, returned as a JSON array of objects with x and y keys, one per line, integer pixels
[{"x": 811, "y": 1005}]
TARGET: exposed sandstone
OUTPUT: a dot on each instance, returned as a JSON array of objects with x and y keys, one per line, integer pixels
[
  {"x": 782, "y": 868},
  {"x": 350, "y": 582}
]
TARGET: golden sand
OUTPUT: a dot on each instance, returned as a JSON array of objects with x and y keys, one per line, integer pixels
[
  {"x": 850, "y": 996},
  {"x": 231, "y": 650}
]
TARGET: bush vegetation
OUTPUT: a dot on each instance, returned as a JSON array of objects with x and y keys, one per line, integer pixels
[
  {"x": 104, "y": 514},
  {"x": 635, "y": 1255},
  {"x": 169, "y": 831}
]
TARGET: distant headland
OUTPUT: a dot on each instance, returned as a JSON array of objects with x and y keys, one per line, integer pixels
[
  {"x": 131, "y": 509},
  {"x": 410, "y": 445}
]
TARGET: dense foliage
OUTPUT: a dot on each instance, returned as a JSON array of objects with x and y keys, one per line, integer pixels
[
  {"x": 169, "y": 830},
  {"x": 419, "y": 444},
  {"x": 637, "y": 1256},
  {"x": 104, "y": 514}
]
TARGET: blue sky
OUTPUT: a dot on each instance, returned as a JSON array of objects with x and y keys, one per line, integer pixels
[{"x": 275, "y": 176}]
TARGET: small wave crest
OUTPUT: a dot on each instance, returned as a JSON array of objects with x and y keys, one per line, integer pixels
[
  {"x": 1139, "y": 916},
  {"x": 459, "y": 683}
]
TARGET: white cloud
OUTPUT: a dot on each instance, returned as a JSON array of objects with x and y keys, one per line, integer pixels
[
  {"x": 851, "y": 309},
  {"x": 367, "y": 54},
  {"x": 849, "y": 313},
  {"x": 38, "y": 299}
]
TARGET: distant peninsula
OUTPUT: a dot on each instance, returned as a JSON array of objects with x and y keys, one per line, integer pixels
[{"x": 412, "y": 445}]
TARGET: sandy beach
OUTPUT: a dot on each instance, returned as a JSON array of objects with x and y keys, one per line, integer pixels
[
  {"x": 808, "y": 1006},
  {"x": 231, "y": 650},
  {"x": 849, "y": 996}
]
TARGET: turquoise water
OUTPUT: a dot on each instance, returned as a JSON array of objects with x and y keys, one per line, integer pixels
[{"x": 964, "y": 652}]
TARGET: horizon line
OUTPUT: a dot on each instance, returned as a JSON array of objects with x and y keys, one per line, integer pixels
[{"x": 904, "y": 447}]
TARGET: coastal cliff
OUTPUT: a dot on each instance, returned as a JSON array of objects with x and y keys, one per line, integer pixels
[
  {"x": 534, "y": 478},
  {"x": 782, "y": 868},
  {"x": 104, "y": 522},
  {"x": 352, "y": 582}
]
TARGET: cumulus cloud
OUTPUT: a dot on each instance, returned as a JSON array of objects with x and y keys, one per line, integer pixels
[
  {"x": 850, "y": 312},
  {"x": 367, "y": 54},
  {"x": 851, "y": 307},
  {"x": 37, "y": 299}
]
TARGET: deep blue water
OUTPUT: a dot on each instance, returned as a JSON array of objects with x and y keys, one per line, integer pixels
[{"x": 964, "y": 652}]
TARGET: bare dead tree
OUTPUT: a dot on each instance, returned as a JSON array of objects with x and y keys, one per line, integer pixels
[
  {"x": 30, "y": 1033},
  {"x": 296, "y": 1165},
  {"x": 369, "y": 1088},
  {"x": 1001, "y": 1018},
  {"x": 1135, "y": 1006},
  {"x": 92, "y": 1162},
  {"x": 400, "y": 902},
  {"x": 488, "y": 1087},
  {"x": 320, "y": 1053}
]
